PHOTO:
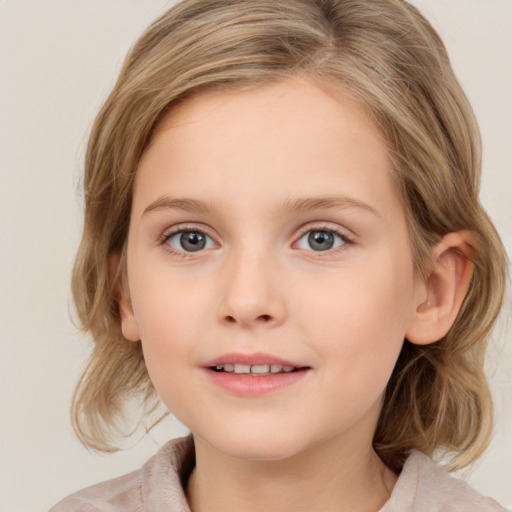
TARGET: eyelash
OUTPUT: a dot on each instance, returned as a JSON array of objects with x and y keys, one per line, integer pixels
[
  {"x": 176, "y": 231},
  {"x": 346, "y": 239}
]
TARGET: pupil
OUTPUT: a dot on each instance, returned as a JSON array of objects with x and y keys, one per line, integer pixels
[
  {"x": 321, "y": 240},
  {"x": 192, "y": 241}
]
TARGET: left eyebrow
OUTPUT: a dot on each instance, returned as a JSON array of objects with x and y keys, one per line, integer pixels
[{"x": 307, "y": 204}]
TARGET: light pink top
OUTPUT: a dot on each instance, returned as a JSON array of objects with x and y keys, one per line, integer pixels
[{"x": 423, "y": 486}]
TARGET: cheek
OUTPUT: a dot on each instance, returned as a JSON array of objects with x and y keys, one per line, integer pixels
[
  {"x": 361, "y": 319},
  {"x": 168, "y": 304},
  {"x": 172, "y": 316}
]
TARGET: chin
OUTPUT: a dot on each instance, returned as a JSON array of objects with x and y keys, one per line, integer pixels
[{"x": 257, "y": 446}]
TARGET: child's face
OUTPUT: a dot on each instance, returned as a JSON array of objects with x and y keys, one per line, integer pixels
[{"x": 266, "y": 222}]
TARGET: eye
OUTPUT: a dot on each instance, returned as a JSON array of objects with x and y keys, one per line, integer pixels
[
  {"x": 321, "y": 240},
  {"x": 189, "y": 241}
]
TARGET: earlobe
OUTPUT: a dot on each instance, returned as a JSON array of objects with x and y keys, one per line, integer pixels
[
  {"x": 445, "y": 288},
  {"x": 129, "y": 326}
]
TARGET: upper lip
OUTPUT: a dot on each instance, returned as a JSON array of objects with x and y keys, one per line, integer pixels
[{"x": 255, "y": 359}]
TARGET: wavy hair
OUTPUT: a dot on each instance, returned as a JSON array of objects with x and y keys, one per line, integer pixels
[{"x": 388, "y": 57}]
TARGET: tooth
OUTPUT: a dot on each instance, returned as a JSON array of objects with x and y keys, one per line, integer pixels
[
  {"x": 264, "y": 368},
  {"x": 255, "y": 369}
]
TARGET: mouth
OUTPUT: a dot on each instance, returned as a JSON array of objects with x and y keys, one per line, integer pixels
[
  {"x": 252, "y": 375},
  {"x": 255, "y": 370}
]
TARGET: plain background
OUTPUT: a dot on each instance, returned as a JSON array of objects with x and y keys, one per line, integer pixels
[{"x": 58, "y": 60}]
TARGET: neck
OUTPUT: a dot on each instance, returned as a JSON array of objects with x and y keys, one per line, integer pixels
[{"x": 328, "y": 477}]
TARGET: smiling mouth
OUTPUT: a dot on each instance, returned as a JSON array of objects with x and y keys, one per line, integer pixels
[
  {"x": 259, "y": 370},
  {"x": 254, "y": 375}
]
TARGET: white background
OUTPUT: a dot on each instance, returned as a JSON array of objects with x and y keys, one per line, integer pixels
[{"x": 58, "y": 60}]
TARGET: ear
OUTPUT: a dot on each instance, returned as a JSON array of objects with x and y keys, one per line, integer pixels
[
  {"x": 444, "y": 290},
  {"x": 129, "y": 326}
]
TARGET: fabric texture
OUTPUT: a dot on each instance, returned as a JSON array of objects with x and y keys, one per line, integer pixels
[{"x": 423, "y": 486}]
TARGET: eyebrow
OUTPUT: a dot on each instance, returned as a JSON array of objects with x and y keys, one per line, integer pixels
[
  {"x": 302, "y": 205},
  {"x": 293, "y": 205},
  {"x": 184, "y": 204}
]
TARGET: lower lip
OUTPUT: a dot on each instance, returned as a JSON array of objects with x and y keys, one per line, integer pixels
[{"x": 254, "y": 385}]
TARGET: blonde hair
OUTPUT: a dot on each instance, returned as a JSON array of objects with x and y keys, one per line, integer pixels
[{"x": 392, "y": 62}]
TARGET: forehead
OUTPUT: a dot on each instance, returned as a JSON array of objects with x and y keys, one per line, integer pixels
[
  {"x": 289, "y": 137},
  {"x": 295, "y": 97}
]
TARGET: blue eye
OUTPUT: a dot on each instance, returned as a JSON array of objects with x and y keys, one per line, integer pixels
[
  {"x": 190, "y": 241},
  {"x": 321, "y": 240}
]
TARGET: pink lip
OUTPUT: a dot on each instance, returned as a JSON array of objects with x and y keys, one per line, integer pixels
[
  {"x": 245, "y": 385},
  {"x": 257, "y": 358}
]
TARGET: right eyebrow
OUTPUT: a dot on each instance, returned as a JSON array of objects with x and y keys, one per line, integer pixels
[{"x": 184, "y": 204}]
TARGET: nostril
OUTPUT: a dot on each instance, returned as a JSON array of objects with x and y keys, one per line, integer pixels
[{"x": 247, "y": 320}]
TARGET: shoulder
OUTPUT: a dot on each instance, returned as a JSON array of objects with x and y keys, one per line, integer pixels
[
  {"x": 122, "y": 493},
  {"x": 155, "y": 486},
  {"x": 425, "y": 486}
]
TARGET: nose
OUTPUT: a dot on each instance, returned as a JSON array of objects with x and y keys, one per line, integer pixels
[{"x": 252, "y": 292}]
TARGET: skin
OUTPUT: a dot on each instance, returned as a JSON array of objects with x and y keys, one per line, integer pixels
[{"x": 247, "y": 159}]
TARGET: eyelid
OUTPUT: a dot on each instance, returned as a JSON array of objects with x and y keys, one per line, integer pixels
[
  {"x": 173, "y": 231},
  {"x": 327, "y": 226},
  {"x": 174, "y": 238},
  {"x": 347, "y": 236},
  {"x": 179, "y": 228}
]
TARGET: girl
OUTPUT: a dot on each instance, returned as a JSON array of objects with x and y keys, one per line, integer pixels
[{"x": 283, "y": 242}]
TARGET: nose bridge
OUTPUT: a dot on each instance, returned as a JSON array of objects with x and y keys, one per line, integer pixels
[{"x": 251, "y": 290}]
